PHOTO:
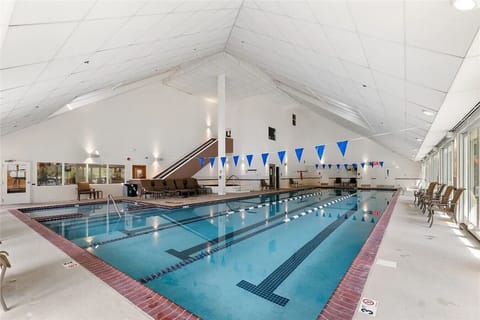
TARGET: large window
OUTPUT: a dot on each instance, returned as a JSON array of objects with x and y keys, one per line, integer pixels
[
  {"x": 49, "y": 174},
  {"x": 116, "y": 173},
  {"x": 75, "y": 172},
  {"x": 97, "y": 173},
  {"x": 473, "y": 186}
]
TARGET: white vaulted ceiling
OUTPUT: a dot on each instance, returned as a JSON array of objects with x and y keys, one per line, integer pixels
[{"x": 373, "y": 66}]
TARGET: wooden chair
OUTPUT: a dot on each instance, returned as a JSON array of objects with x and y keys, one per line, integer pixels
[
  {"x": 443, "y": 199},
  {"x": 435, "y": 195},
  {"x": 426, "y": 194},
  {"x": 420, "y": 192},
  {"x": 449, "y": 207},
  {"x": 4, "y": 264},
  {"x": 84, "y": 188}
]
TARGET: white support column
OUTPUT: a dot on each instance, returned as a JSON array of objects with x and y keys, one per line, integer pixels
[{"x": 221, "y": 132}]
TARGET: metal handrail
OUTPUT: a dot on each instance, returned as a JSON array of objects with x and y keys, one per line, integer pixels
[{"x": 110, "y": 198}]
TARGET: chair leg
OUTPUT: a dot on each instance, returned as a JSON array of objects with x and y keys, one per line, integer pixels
[
  {"x": 431, "y": 220},
  {"x": 2, "y": 301}
]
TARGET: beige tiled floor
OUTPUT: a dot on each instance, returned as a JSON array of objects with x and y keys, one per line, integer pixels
[{"x": 437, "y": 275}]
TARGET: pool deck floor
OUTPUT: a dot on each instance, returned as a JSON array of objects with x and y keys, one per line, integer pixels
[{"x": 418, "y": 273}]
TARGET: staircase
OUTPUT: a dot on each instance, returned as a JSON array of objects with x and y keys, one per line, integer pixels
[{"x": 188, "y": 165}]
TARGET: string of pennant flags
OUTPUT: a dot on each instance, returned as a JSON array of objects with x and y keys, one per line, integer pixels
[{"x": 342, "y": 146}]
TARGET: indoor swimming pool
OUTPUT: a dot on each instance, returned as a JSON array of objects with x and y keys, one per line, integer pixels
[{"x": 275, "y": 256}]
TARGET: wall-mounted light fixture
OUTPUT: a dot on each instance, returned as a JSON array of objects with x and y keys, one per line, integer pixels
[{"x": 94, "y": 154}]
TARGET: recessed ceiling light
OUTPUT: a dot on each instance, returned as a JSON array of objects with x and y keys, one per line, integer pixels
[
  {"x": 419, "y": 139},
  {"x": 427, "y": 112},
  {"x": 464, "y": 5}
]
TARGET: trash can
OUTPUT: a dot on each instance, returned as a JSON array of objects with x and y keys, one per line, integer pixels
[{"x": 130, "y": 189}]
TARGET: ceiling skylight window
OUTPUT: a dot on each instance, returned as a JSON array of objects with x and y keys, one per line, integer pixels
[{"x": 464, "y": 5}]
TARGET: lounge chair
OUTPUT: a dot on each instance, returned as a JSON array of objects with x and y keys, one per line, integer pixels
[
  {"x": 149, "y": 187},
  {"x": 4, "y": 264},
  {"x": 449, "y": 208},
  {"x": 182, "y": 189},
  {"x": 192, "y": 183},
  {"x": 264, "y": 185},
  {"x": 338, "y": 183},
  {"x": 84, "y": 188},
  {"x": 292, "y": 183}
]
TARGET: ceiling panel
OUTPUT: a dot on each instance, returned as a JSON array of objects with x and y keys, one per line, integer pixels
[
  {"x": 32, "y": 12},
  {"x": 332, "y": 13},
  {"x": 314, "y": 37},
  {"x": 159, "y": 7},
  {"x": 131, "y": 31},
  {"x": 430, "y": 69},
  {"x": 19, "y": 76},
  {"x": 59, "y": 68},
  {"x": 386, "y": 23},
  {"x": 347, "y": 45},
  {"x": 89, "y": 36},
  {"x": 360, "y": 74},
  {"x": 19, "y": 49},
  {"x": 430, "y": 98},
  {"x": 385, "y": 56},
  {"x": 115, "y": 8},
  {"x": 435, "y": 25},
  {"x": 389, "y": 84}
]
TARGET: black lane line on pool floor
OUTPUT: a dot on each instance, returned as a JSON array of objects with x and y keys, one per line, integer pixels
[
  {"x": 274, "y": 280},
  {"x": 203, "y": 254},
  {"x": 179, "y": 223},
  {"x": 185, "y": 254}
]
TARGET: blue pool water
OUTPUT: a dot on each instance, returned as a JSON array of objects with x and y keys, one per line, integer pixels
[{"x": 270, "y": 257}]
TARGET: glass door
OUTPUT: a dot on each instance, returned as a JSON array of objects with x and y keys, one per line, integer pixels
[{"x": 16, "y": 182}]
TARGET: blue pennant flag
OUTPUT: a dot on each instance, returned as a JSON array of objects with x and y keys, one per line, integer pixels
[
  {"x": 281, "y": 156},
  {"x": 202, "y": 161},
  {"x": 212, "y": 161},
  {"x": 323, "y": 166},
  {"x": 381, "y": 163},
  {"x": 362, "y": 164},
  {"x": 338, "y": 166},
  {"x": 354, "y": 165},
  {"x": 372, "y": 163},
  {"x": 299, "y": 152},
  {"x": 342, "y": 145},
  {"x": 249, "y": 159},
  {"x": 223, "y": 159},
  {"x": 346, "y": 166},
  {"x": 316, "y": 165},
  {"x": 264, "y": 158},
  {"x": 320, "y": 150},
  {"x": 235, "y": 160},
  {"x": 330, "y": 166}
]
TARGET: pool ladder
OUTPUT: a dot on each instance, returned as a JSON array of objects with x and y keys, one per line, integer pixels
[{"x": 110, "y": 198}]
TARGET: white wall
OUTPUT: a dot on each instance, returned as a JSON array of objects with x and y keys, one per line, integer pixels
[
  {"x": 158, "y": 121},
  {"x": 250, "y": 118},
  {"x": 154, "y": 121}
]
